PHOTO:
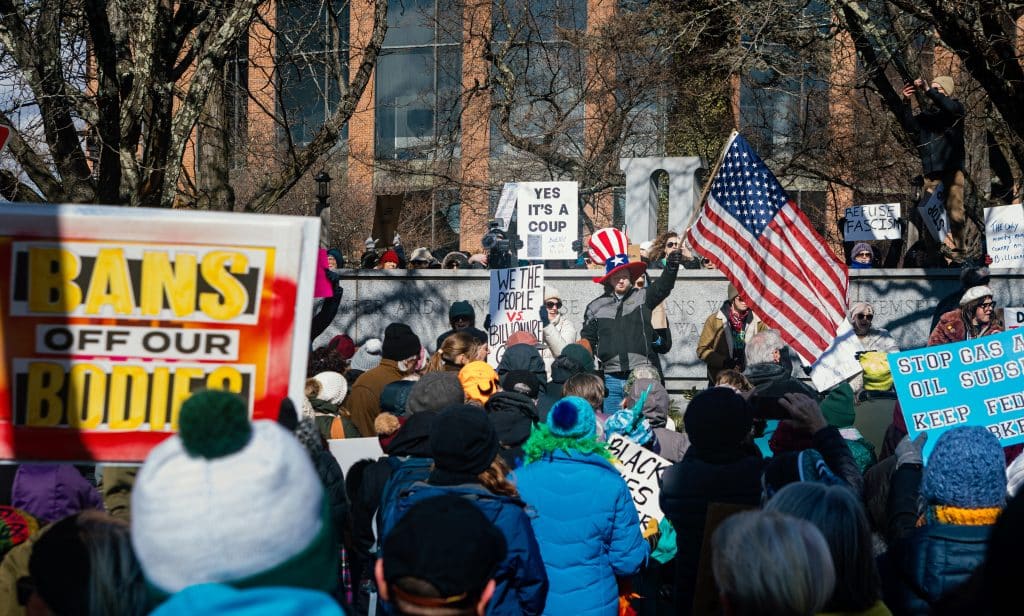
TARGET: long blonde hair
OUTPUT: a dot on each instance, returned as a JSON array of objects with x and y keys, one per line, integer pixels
[{"x": 458, "y": 343}]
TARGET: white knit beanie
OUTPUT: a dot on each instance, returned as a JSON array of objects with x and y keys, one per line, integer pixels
[
  {"x": 975, "y": 293},
  {"x": 333, "y": 387},
  {"x": 551, "y": 292},
  {"x": 226, "y": 500}
]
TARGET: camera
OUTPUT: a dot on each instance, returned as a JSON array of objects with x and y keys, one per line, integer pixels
[{"x": 498, "y": 246}]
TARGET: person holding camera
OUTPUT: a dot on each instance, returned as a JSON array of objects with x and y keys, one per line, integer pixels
[{"x": 617, "y": 325}]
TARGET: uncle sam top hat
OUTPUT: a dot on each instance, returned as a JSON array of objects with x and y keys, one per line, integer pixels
[{"x": 608, "y": 247}]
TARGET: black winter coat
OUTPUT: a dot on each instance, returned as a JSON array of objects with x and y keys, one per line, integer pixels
[{"x": 939, "y": 132}]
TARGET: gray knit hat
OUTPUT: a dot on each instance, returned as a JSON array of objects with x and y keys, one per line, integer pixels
[
  {"x": 368, "y": 356},
  {"x": 435, "y": 391}
]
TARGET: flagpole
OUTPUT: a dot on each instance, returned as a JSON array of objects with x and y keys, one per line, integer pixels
[{"x": 710, "y": 180}]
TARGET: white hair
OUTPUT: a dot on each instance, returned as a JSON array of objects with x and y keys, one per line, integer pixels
[
  {"x": 767, "y": 562},
  {"x": 761, "y": 347}
]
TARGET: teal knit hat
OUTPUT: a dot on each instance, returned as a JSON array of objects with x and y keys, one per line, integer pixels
[
  {"x": 837, "y": 407},
  {"x": 572, "y": 417},
  {"x": 579, "y": 354}
]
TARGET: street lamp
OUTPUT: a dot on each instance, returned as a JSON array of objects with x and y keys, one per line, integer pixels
[{"x": 323, "y": 190}]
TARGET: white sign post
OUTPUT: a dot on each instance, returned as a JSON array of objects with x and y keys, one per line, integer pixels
[
  {"x": 878, "y": 221},
  {"x": 642, "y": 469},
  {"x": 548, "y": 215},
  {"x": 516, "y": 297},
  {"x": 934, "y": 213},
  {"x": 1004, "y": 235}
]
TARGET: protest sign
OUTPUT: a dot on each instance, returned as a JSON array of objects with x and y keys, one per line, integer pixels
[
  {"x": 977, "y": 382},
  {"x": 548, "y": 219},
  {"x": 933, "y": 211},
  {"x": 1013, "y": 317},
  {"x": 506, "y": 204},
  {"x": 839, "y": 361},
  {"x": 878, "y": 221},
  {"x": 348, "y": 451},
  {"x": 112, "y": 317},
  {"x": 516, "y": 297},
  {"x": 1004, "y": 235},
  {"x": 642, "y": 469}
]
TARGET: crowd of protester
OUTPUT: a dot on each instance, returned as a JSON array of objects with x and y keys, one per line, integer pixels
[{"x": 498, "y": 492}]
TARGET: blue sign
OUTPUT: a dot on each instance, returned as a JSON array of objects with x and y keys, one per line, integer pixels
[{"x": 972, "y": 383}]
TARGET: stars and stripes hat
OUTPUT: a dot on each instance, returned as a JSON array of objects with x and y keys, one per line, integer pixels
[{"x": 608, "y": 246}]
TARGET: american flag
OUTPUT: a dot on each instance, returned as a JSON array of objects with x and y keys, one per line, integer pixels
[{"x": 758, "y": 237}]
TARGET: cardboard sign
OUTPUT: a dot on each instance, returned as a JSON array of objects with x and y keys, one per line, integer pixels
[
  {"x": 1004, "y": 235},
  {"x": 878, "y": 221},
  {"x": 977, "y": 382},
  {"x": 348, "y": 451},
  {"x": 112, "y": 317},
  {"x": 548, "y": 215},
  {"x": 1013, "y": 317},
  {"x": 839, "y": 361},
  {"x": 516, "y": 297},
  {"x": 506, "y": 204},
  {"x": 933, "y": 211},
  {"x": 642, "y": 469}
]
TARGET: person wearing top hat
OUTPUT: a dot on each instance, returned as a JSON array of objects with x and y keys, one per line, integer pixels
[{"x": 617, "y": 325}]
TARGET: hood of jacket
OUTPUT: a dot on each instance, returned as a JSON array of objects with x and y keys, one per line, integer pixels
[
  {"x": 523, "y": 357},
  {"x": 759, "y": 374},
  {"x": 513, "y": 416}
]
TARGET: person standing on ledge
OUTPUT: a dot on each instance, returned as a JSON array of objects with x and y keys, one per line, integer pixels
[{"x": 939, "y": 132}]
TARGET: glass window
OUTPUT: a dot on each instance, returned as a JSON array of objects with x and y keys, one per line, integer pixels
[
  {"x": 419, "y": 77},
  {"x": 312, "y": 49}
]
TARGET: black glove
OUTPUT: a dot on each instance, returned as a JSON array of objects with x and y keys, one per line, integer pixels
[
  {"x": 544, "y": 319},
  {"x": 673, "y": 259},
  {"x": 487, "y": 323}
]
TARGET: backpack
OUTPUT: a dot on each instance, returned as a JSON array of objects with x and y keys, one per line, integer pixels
[{"x": 404, "y": 473}]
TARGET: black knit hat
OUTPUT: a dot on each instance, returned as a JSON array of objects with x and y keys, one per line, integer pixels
[
  {"x": 717, "y": 419},
  {"x": 522, "y": 381},
  {"x": 447, "y": 542},
  {"x": 461, "y": 308},
  {"x": 399, "y": 342},
  {"x": 463, "y": 443}
]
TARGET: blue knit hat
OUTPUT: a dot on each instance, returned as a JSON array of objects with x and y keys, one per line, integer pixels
[
  {"x": 966, "y": 469},
  {"x": 572, "y": 417}
]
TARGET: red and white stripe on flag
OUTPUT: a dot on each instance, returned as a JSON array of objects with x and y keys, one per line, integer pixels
[{"x": 755, "y": 235}]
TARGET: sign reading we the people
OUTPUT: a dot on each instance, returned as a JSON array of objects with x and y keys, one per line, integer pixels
[
  {"x": 516, "y": 297},
  {"x": 642, "y": 469},
  {"x": 878, "y": 221},
  {"x": 977, "y": 382},
  {"x": 548, "y": 219},
  {"x": 111, "y": 317}
]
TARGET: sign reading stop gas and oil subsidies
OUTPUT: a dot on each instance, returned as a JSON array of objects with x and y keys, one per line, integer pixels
[
  {"x": 548, "y": 219},
  {"x": 111, "y": 317},
  {"x": 977, "y": 382}
]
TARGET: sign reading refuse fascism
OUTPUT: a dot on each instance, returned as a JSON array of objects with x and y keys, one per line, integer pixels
[
  {"x": 111, "y": 317},
  {"x": 977, "y": 382}
]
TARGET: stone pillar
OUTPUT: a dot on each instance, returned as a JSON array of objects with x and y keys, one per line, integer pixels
[
  {"x": 642, "y": 196},
  {"x": 476, "y": 126}
]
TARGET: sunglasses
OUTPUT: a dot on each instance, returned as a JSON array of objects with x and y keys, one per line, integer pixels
[
  {"x": 864, "y": 254},
  {"x": 987, "y": 305},
  {"x": 553, "y": 304},
  {"x": 866, "y": 317},
  {"x": 671, "y": 244}
]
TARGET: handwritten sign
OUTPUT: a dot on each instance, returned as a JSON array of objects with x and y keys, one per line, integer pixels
[
  {"x": 933, "y": 211},
  {"x": 548, "y": 215},
  {"x": 1004, "y": 235},
  {"x": 642, "y": 469},
  {"x": 878, "y": 221},
  {"x": 839, "y": 361},
  {"x": 506, "y": 204},
  {"x": 111, "y": 317},
  {"x": 977, "y": 382},
  {"x": 516, "y": 297},
  {"x": 1013, "y": 317}
]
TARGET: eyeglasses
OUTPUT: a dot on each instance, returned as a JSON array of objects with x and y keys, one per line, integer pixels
[
  {"x": 987, "y": 305},
  {"x": 866, "y": 317},
  {"x": 553, "y": 304}
]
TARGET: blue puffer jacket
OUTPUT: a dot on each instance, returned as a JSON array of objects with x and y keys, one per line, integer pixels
[
  {"x": 588, "y": 529},
  {"x": 521, "y": 584}
]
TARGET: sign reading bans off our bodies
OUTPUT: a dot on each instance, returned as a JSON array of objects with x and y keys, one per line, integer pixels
[
  {"x": 977, "y": 382},
  {"x": 112, "y": 317}
]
